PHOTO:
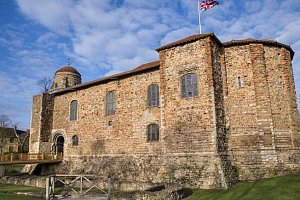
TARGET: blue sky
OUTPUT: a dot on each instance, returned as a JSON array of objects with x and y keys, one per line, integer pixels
[{"x": 104, "y": 37}]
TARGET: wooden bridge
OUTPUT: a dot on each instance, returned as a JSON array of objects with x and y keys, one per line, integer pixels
[{"x": 28, "y": 158}]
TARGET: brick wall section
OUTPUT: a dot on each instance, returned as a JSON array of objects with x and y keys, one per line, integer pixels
[
  {"x": 188, "y": 123},
  {"x": 262, "y": 95},
  {"x": 240, "y": 103},
  {"x": 35, "y": 124},
  {"x": 41, "y": 122},
  {"x": 258, "y": 119},
  {"x": 47, "y": 117},
  {"x": 291, "y": 93},
  {"x": 127, "y": 132}
]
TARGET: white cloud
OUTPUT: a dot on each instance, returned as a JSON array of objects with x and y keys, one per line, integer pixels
[
  {"x": 52, "y": 14},
  {"x": 109, "y": 36}
]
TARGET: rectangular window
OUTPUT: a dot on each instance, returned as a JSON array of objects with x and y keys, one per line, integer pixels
[
  {"x": 189, "y": 85},
  {"x": 153, "y": 95}
]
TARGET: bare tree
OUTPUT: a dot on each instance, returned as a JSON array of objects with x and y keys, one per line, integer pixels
[
  {"x": 5, "y": 121},
  {"x": 45, "y": 84}
]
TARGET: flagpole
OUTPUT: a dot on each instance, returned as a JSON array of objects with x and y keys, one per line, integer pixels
[{"x": 199, "y": 14}]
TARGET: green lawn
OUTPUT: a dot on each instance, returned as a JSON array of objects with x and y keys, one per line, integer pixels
[
  {"x": 279, "y": 188},
  {"x": 7, "y": 192}
]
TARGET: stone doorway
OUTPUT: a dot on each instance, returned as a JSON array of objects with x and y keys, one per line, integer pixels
[{"x": 59, "y": 142}]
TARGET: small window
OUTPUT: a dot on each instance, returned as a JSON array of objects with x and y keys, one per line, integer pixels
[
  {"x": 11, "y": 140},
  {"x": 153, "y": 95},
  {"x": 240, "y": 82},
  {"x": 110, "y": 103},
  {"x": 75, "y": 140},
  {"x": 189, "y": 86},
  {"x": 152, "y": 132},
  {"x": 10, "y": 149},
  {"x": 73, "y": 110}
]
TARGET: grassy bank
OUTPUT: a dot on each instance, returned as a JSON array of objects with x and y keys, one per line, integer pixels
[
  {"x": 8, "y": 192},
  {"x": 279, "y": 188}
]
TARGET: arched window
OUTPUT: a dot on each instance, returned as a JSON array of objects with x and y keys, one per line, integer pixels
[
  {"x": 189, "y": 85},
  {"x": 153, "y": 95},
  {"x": 110, "y": 103},
  {"x": 75, "y": 140},
  {"x": 73, "y": 110},
  {"x": 152, "y": 132}
]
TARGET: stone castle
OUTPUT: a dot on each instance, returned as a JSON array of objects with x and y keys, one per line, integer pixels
[{"x": 205, "y": 115}]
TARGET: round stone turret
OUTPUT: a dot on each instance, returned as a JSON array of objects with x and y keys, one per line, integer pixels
[{"x": 65, "y": 77}]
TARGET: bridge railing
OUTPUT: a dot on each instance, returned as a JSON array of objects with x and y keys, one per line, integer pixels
[
  {"x": 24, "y": 157},
  {"x": 79, "y": 185}
]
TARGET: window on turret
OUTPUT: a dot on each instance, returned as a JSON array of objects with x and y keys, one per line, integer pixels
[
  {"x": 110, "y": 103},
  {"x": 73, "y": 110},
  {"x": 153, "y": 95},
  {"x": 75, "y": 140},
  {"x": 189, "y": 86},
  {"x": 152, "y": 132},
  {"x": 240, "y": 82}
]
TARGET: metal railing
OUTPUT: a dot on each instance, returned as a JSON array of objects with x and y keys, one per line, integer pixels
[
  {"x": 80, "y": 185},
  {"x": 7, "y": 158}
]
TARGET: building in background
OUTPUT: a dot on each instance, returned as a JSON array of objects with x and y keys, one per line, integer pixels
[{"x": 13, "y": 140}]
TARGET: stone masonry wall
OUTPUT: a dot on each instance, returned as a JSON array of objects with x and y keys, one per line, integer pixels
[
  {"x": 188, "y": 123},
  {"x": 193, "y": 124},
  {"x": 259, "y": 123},
  {"x": 133, "y": 171},
  {"x": 41, "y": 122},
  {"x": 35, "y": 124},
  {"x": 121, "y": 133}
]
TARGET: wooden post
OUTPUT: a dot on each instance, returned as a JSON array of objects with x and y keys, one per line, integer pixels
[
  {"x": 52, "y": 180},
  {"x": 11, "y": 157},
  {"x": 81, "y": 183},
  {"x": 48, "y": 188},
  {"x": 109, "y": 188}
]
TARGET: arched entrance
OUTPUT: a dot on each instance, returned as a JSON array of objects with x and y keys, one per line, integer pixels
[{"x": 59, "y": 141}]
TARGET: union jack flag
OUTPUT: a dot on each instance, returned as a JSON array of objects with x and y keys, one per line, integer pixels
[{"x": 208, "y": 4}]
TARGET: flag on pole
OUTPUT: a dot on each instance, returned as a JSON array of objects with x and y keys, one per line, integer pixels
[
  {"x": 203, "y": 6},
  {"x": 208, "y": 4}
]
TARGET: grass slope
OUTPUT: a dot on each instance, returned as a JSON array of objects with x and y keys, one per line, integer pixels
[
  {"x": 7, "y": 192},
  {"x": 279, "y": 188}
]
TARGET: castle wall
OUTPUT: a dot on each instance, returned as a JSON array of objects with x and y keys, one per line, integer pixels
[
  {"x": 41, "y": 123},
  {"x": 194, "y": 124},
  {"x": 187, "y": 152},
  {"x": 121, "y": 133},
  {"x": 259, "y": 113},
  {"x": 244, "y": 119},
  {"x": 188, "y": 123}
]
